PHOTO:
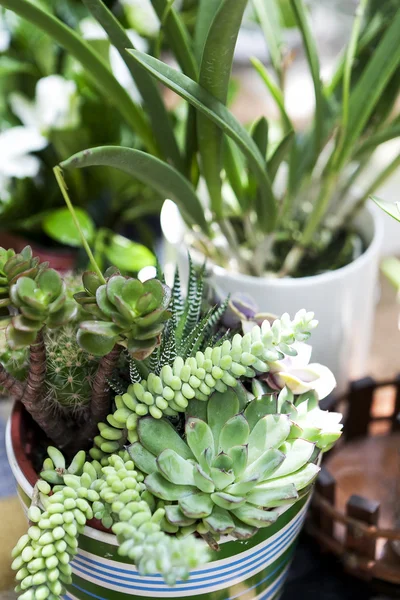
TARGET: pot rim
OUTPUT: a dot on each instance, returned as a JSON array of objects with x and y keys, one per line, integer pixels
[{"x": 288, "y": 282}]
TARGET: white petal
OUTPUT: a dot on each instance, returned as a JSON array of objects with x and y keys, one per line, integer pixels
[
  {"x": 92, "y": 30},
  {"x": 5, "y": 39},
  {"x": 24, "y": 109},
  {"x": 296, "y": 385},
  {"x": 21, "y": 166},
  {"x": 18, "y": 141},
  {"x": 326, "y": 382},
  {"x": 303, "y": 354},
  {"x": 55, "y": 103},
  {"x": 123, "y": 75}
]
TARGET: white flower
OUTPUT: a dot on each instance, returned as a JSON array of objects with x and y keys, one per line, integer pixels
[
  {"x": 16, "y": 144},
  {"x": 299, "y": 376},
  {"x": 142, "y": 17},
  {"x": 5, "y": 35},
  {"x": 55, "y": 107}
]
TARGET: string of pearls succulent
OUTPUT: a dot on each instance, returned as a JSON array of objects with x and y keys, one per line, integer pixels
[
  {"x": 115, "y": 494},
  {"x": 199, "y": 376}
]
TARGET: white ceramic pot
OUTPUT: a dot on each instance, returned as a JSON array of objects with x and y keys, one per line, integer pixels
[{"x": 343, "y": 300}]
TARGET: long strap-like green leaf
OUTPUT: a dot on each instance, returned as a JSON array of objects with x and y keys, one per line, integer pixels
[
  {"x": 96, "y": 68},
  {"x": 215, "y": 72},
  {"x": 372, "y": 83},
  {"x": 268, "y": 16},
  {"x": 150, "y": 170},
  {"x": 155, "y": 107},
  {"x": 204, "y": 17},
  {"x": 205, "y": 103},
  {"x": 177, "y": 37}
]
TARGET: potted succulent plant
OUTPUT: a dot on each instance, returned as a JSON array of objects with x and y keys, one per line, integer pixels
[
  {"x": 282, "y": 219},
  {"x": 207, "y": 452}
]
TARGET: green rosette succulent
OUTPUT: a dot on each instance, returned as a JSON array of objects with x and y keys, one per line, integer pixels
[
  {"x": 12, "y": 267},
  {"x": 40, "y": 301},
  {"x": 125, "y": 311},
  {"x": 238, "y": 467}
]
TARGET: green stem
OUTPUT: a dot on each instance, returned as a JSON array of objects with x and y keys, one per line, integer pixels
[
  {"x": 63, "y": 187},
  {"x": 95, "y": 67}
]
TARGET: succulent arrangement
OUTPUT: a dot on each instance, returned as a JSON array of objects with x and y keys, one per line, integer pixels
[
  {"x": 282, "y": 207},
  {"x": 211, "y": 431}
]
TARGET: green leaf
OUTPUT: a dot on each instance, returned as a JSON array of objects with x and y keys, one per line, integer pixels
[
  {"x": 268, "y": 17},
  {"x": 254, "y": 516},
  {"x": 199, "y": 437},
  {"x": 219, "y": 114},
  {"x": 298, "y": 453},
  {"x": 390, "y": 132},
  {"x": 157, "y": 434},
  {"x": 160, "y": 487},
  {"x": 10, "y": 66},
  {"x": 143, "y": 459},
  {"x": 221, "y": 478},
  {"x": 95, "y": 67},
  {"x": 155, "y": 107},
  {"x": 148, "y": 169},
  {"x": 94, "y": 344},
  {"x": 369, "y": 89},
  {"x": 108, "y": 330},
  {"x": 221, "y": 407},
  {"x": 220, "y": 521},
  {"x": 175, "y": 468},
  {"x": 127, "y": 255},
  {"x": 175, "y": 516},
  {"x": 60, "y": 226},
  {"x": 204, "y": 17},
  {"x": 260, "y": 407},
  {"x": 265, "y": 465},
  {"x": 196, "y": 506},
  {"x": 177, "y": 36},
  {"x": 215, "y": 72},
  {"x": 390, "y": 267},
  {"x": 50, "y": 282},
  {"x": 391, "y": 208},
  {"x": 202, "y": 480},
  {"x": 235, "y": 432},
  {"x": 299, "y": 11},
  {"x": 227, "y": 501},
  {"x": 259, "y": 133},
  {"x": 270, "y": 498},
  {"x": 275, "y": 92},
  {"x": 280, "y": 154},
  {"x": 238, "y": 454},
  {"x": 300, "y": 479},
  {"x": 270, "y": 432}
]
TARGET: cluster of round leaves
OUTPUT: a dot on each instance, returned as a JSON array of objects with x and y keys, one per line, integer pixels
[
  {"x": 238, "y": 465},
  {"x": 216, "y": 369},
  {"x": 113, "y": 493},
  {"x": 125, "y": 311}
]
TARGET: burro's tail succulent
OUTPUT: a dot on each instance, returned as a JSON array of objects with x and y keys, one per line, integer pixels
[
  {"x": 238, "y": 467},
  {"x": 125, "y": 311},
  {"x": 216, "y": 369}
]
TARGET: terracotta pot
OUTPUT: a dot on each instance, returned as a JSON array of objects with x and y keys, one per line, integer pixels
[
  {"x": 61, "y": 259},
  {"x": 245, "y": 570}
]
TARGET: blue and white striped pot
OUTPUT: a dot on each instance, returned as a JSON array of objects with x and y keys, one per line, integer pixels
[{"x": 254, "y": 569}]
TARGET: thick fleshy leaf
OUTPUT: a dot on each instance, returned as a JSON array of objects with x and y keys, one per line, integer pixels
[
  {"x": 196, "y": 506},
  {"x": 175, "y": 516},
  {"x": 175, "y": 468},
  {"x": 265, "y": 465},
  {"x": 238, "y": 455},
  {"x": 23, "y": 324},
  {"x": 298, "y": 453},
  {"x": 19, "y": 339},
  {"x": 143, "y": 459},
  {"x": 235, "y": 432},
  {"x": 221, "y": 478},
  {"x": 243, "y": 531},
  {"x": 241, "y": 488},
  {"x": 259, "y": 408},
  {"x": 160, "y": 487},
  {"x": 223, "y": 461},
  {"x": 103, "y": 302},
  {"x": 114, "y": 287},
  {"x": 50, "y": 282},
  {"x": 157, "y": 434},
  {"x": 220, "y": 521},
  {"x": 202, "y": 480},
  {"x": 269, "y": 432},
  {"x": 270, "y": 498},
  {"x": 95, "y": 344},
  {"x": 254, "y": 516},
  {"x": 227, "y": 501},
  {"x": 101, "y": 328},
  {"x": 221, "y": 407},
  {"x": 91, "y": 282},
  {"x": 300, "y": 479},
  {"x": 60, "y": 226},
  {"x": 199, "y": 437}
]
